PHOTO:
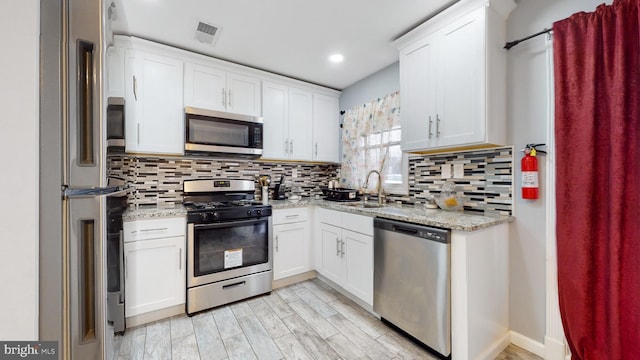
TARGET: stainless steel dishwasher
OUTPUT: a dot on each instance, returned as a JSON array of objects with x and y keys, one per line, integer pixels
[{"x": 411, "y": 280}]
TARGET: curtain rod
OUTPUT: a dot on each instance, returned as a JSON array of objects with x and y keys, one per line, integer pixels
[{"x": 511, "y": 44}]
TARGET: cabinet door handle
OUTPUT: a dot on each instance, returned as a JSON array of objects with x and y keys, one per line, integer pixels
[
  {"x": 135, "y": 88},
  {"x": 277, "y": 242},
  {"x": 286, "y": 147},
  {"x": 337, "y": 247},
  {"x": 316, "y": 148},
  {"x": 229, "y": 98},
  {"x": 180, "y": 259},
  {"x": 430, "y": 123},
  {"x": 437, "y": 125},
  {"x": 224, "y": 98},
  {"x": 342, "y": 248},
  {"x": 291, "y": 146},
  {"x": 156, "y": 229},
  {"x": 138, "y": 133}
]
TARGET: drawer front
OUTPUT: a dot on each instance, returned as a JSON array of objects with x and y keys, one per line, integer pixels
[
  {"x": 358, "y": 223},
  {"x": 330, "y": 217},
  {"x": 287, "y": 216},
  {"x": 154, "y": 228}
]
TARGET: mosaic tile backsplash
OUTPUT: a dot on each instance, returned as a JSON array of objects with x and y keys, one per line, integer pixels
[{"x": 487, "y": 183}]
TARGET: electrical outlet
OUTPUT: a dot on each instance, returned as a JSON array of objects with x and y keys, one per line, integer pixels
[
  {"x": 294, "y": 173},
  {"x": 458, "y": 171},
  {"x": 446, "y": 171}
]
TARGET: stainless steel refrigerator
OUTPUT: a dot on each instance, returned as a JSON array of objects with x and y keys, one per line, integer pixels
[{"x": 73, "y": 178}]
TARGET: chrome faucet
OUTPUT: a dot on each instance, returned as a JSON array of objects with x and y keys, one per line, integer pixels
[{"x": 379, "y": 188}]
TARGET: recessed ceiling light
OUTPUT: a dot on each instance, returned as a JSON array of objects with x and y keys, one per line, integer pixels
[{"x": 336, "y": 58}]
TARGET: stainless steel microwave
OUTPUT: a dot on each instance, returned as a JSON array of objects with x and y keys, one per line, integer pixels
[
  {"x": 220, "y": 133},
  {"x": 115, "y": 124}
]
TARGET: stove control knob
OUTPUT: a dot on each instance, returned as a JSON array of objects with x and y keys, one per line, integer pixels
[
  {"x": 249, "y": 213},
  {"x": 204, "y": 216},
  {"x": 216, "y": 215},
  {"x": 259, "y": 212}
]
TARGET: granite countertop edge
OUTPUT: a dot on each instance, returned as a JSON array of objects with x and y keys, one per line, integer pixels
[{"x": 454, "y": 220}]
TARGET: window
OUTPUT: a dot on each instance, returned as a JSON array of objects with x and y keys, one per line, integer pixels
[{"x": 371, "y": 141}]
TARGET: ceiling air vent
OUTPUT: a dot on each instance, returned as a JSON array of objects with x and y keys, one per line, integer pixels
[{"x": 206, "y": 33}]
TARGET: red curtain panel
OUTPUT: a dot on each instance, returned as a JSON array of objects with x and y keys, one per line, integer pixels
[{"x": 597, "y": 130}]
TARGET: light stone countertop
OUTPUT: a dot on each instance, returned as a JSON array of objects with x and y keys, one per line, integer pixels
[
  {"x": 454, "y": 220},
  {"x": 152, "y": 212}
]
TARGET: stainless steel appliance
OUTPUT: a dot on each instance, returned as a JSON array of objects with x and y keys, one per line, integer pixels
[
  {"x": 116, "y": 206},
  {"x": 411, "y": 280},
  {"x": 72, "y": 286},
  {"x": 224, "y": 134},
  {"x": 229, "y": 240},
  {"x": 115, "y": 124}
]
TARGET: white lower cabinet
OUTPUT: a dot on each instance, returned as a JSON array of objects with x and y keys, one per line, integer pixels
[
  {"x": 346, "y": 246},
  {"x": 291, "y": 242},
  {"x": 154, "y": 265}
]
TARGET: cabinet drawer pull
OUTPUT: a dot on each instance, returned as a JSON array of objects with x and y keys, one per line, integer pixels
[
  {"x": 156, "y": 229},
  {"x": 180, "y": 259},
  {"x": 292, "y": 216}
]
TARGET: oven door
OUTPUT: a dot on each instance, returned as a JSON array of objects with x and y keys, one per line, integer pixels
[{"x": 227, "y": 250}]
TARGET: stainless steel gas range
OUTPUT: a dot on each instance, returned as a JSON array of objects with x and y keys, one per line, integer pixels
[{"x": 229, "y": 241}]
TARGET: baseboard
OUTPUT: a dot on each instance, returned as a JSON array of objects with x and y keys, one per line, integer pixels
[
  {"x": 554, "y": 349},
  {"x": 528, "y": 344},
  {"x": 496, "y": 348},
  {"x": 154, "y": 316},
  {"x": 293, "y": 279}
]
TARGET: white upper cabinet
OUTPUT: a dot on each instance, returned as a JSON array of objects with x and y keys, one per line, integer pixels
[
  {"x": 300, "y": 124},
  {"x": 453, "y": 78},
  {"x": 154, "y": 109},
  {"x": 211, "y": 88},
  {"x": 275, "y": 114},
  {"x": 115, "y": 72},
  {"x": 326, "y": 128},
  {"x": 288, "y": 117}
]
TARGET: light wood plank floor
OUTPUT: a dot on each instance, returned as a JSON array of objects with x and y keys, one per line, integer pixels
[{"x": 308, "y": 320}]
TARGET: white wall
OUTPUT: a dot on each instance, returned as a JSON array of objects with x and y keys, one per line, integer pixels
[
  {"x": 528, "y": 101},
  {"x": 378, "y": 84},
  {"x": 19, "y": 26}
]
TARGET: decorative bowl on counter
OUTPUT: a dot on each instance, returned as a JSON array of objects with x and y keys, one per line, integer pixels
[{"x": 449, "y": 199}]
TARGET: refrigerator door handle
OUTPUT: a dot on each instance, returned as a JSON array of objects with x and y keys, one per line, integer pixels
[{"x": 71, "y": 193}]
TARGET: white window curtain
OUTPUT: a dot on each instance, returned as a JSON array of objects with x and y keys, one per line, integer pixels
[{"x": 371, "y": 141}]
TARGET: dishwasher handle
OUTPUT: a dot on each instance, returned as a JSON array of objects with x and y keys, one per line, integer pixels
[
  {"x": 404, "y": 230},
  {"x": 414, "y": 230}
]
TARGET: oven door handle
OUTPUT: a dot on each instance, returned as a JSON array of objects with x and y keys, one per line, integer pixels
[{"x": 229, "y": 223}]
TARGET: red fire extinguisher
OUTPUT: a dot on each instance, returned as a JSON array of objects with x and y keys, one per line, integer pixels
[{"x": 529, "y": 164}]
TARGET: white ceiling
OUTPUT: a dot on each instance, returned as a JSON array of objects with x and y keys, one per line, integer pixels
[{"x": 288, "y": 37}]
